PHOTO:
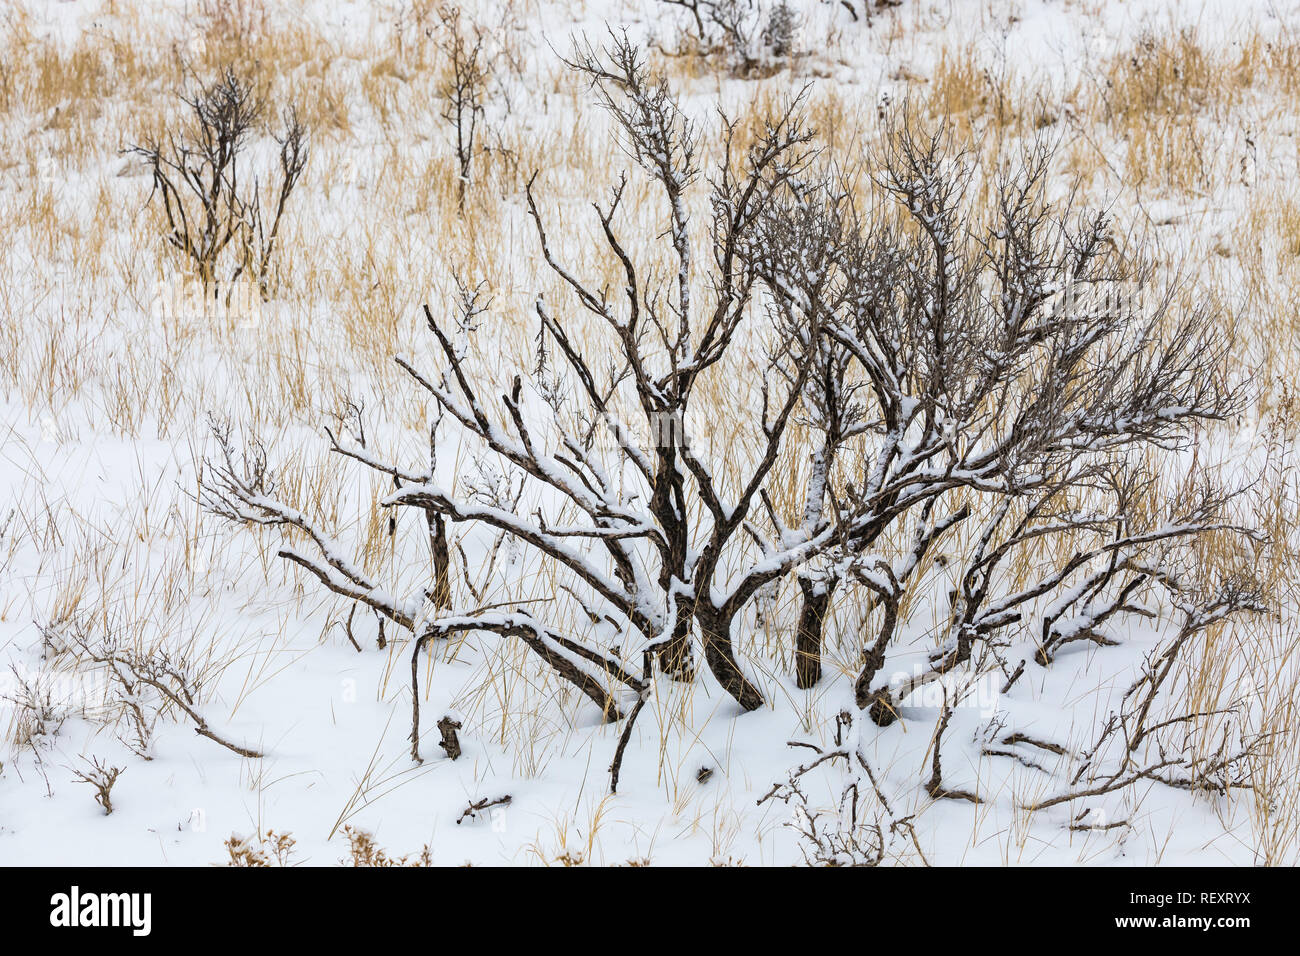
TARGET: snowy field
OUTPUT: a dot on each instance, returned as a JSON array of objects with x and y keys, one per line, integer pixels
[{"x": 254, "y": 504}]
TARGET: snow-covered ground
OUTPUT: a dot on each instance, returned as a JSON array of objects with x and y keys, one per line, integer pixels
[{"x": 107, "y": 391}]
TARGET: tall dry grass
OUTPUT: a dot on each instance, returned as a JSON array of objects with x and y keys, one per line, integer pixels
[{"x": 376, "y": 231}]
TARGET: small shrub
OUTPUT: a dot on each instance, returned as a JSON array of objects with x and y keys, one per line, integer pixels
[
  {"x": 274, "y": 849},
  {"x": 209, "y": 203},
  {"x": 102, "y": 778},
  {"x": 364, "y": 851}
]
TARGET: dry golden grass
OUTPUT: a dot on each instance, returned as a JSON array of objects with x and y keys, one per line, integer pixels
[{"x": 377, "y": 231}]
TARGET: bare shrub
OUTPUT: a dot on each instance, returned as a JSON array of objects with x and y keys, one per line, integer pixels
[
  {"x": 124, "y": 694},
  {"x": 1002, "y": 367},
  {"x": 845, "y": 842},
  {"x": 781, "y": 31},
  {"x": 38, "y": 714},
  {"x": 102, "y": 778},
  {"x": 209, "y": 204},
  {"x": 237, "y": 22},
  {"x": 748, "y": 37},
  {"x": 172, "y": 678},
  {"x": 468, "y": 66},
  {"x": 996, "y": 365},
  {"x": 659, "y": 604},
  {"x": 968, "y": 372},
  {"x": 1143, "y": 740}
]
